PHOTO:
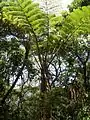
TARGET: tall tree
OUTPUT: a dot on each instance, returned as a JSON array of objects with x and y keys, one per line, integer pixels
[{"x": 54, "y": 47}]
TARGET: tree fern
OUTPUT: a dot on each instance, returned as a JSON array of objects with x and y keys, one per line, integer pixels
[
  {"x": 77, "y": 23},
  {"x": 27, "y": 16}
]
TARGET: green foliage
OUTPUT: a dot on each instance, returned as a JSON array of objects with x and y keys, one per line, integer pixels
[
  {"x": 77, "y": 23},
  {"x": 58, "y": 56},
  {"x": 78, "y": 3},
  {"x": 24, "y": 14}
]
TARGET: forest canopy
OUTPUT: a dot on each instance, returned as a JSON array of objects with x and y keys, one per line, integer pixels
[{"x": 44, "y": 61}]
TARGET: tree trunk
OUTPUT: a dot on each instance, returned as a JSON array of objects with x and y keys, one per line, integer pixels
[{"x": 45, "y": 110}]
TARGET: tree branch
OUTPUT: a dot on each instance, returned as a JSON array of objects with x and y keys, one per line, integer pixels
[{"x": 18, "y": 75}]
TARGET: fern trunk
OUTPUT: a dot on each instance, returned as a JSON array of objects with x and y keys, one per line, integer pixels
[{"x": 45, "y": 109}]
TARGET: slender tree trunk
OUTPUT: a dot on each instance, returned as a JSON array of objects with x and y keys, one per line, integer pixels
[{"x": 45, "y": 110}]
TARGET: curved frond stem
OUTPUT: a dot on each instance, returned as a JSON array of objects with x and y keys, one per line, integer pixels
[{"x": 35, "y": 36}]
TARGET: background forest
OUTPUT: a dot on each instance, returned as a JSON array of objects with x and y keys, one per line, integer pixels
[{"x": 44, "y": 61}]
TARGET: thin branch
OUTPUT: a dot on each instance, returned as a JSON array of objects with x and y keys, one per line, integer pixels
[
  {"x": 16, "y": 80},
  {"x": 13, "y": 85},
  {"x": 68, "y": 38}
]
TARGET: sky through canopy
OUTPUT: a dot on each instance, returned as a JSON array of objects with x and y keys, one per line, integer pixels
[{"x": 54, "y": 6}]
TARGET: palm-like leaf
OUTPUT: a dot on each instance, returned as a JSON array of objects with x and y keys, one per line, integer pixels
[
  {"x": 78, "y": 22},
  {"x": 25, "y": 14}
]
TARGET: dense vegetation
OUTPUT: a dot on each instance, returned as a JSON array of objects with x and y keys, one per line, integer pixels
[{"x": 44, "y": 62}]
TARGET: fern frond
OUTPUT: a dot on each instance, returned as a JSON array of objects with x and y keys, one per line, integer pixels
[
  {"x": 78, "y": 22},
  {"x": 23, "y": 13}
]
